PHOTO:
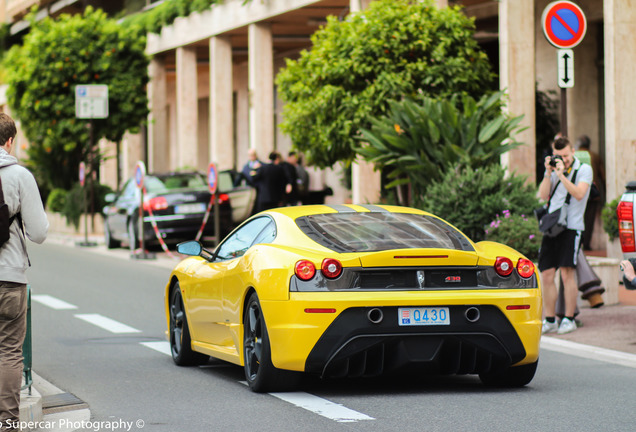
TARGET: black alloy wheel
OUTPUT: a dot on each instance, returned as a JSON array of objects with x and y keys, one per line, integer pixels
[
  {"x": 260, "y": 373},
  {"x": 180, "y": 342}
]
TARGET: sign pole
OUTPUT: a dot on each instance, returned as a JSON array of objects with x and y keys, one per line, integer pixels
[
  {"x": 564, "y": 26},
  {"x": 564, "y": 112}
]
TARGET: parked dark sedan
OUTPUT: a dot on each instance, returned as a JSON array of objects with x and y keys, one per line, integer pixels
[{"x": 177, "y": 202}]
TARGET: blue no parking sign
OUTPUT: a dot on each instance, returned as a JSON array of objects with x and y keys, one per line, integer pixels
[
  {"x": 212, "y": 178},
  {"x": 564, "y": 24}
]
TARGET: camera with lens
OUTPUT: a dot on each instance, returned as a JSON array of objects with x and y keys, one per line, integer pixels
[{"x": 554, "y": 159}]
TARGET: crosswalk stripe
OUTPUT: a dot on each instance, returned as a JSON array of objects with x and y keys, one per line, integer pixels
[
  {"x": 107, "y": 323},
  {"x": 52, "y": 302},
  {"x": 162, "y": 347}
]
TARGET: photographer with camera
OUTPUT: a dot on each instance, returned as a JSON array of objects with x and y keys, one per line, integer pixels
[{"x": 565, "y": 178}]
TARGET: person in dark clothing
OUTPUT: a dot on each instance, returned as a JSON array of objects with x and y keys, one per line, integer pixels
[
  {"x": 249, "y": 169},
  {"x": 272, "y": 184},
  {"x": 291, "y": 197}
]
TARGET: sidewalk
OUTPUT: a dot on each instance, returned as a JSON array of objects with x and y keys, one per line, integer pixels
[{"x": 611, "y": 327}]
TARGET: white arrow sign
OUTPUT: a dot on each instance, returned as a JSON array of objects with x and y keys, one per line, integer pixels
[{"x": 565, "y": 59}]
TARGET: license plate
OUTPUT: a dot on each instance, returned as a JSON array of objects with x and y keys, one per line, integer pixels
[
  {"x": 190, "y": 208},
  {"x": 423, "y": 316}
]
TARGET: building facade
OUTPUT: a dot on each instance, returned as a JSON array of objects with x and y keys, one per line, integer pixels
[{"x": 212, "y": 92}]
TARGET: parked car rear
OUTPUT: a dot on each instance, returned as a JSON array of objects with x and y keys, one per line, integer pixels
[{"x": 176, "y": 202}]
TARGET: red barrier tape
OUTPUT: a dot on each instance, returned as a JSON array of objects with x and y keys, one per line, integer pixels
[
  {"x": 205, "y": 218},
  {"x": 154, "y": 226}
]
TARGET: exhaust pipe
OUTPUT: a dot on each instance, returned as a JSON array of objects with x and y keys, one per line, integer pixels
[
  {"x": 375, "y": 315},
  {"x": 472, "y": 314}
]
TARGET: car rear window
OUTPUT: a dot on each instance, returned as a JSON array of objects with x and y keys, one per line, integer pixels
[{"x": 376, "y": 231}]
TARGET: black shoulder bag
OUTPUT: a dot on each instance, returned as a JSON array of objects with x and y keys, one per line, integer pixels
[{"x": 553, "y": 224}]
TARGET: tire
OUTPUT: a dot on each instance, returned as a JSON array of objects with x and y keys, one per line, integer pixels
[
  {"x": 110, "y": 242},
  {"x": 132, "y": 236},
  {"x": 260, "y": 373},
  {"x": 517, "y": 376},
  {"x": 180, "y": 342}
]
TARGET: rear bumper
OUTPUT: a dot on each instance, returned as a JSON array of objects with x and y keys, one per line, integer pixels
[{"x": 347, "y": 343}]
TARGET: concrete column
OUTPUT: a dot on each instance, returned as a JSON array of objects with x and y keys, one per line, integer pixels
[
  {"x": 358, "y": 5},
  {"x": 261, "y": 88},
  {"x": 366, "y": 183},
  {"x": 187, "y": 109},
  {"x": 158, "y": 150},
  {"x": 221, "y": 112},
  {"x": 620, "y": 88},
  {"x": 517, "y": 77}
]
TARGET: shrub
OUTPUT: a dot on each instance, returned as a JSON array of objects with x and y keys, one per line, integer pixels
[
  {"x": 471, "y": 199},
  {"x": 56, "y": 200},
  {"x": 74, "y": 205},
  {"x": 519, "y": 231},
  {"x": 610, "y": 218}
]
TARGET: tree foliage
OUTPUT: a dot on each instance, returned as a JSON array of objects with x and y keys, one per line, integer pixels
[
  {"x": 395, "y": 48},
  {"x": 42, "y": 74},
  {"x": 417, "y": 143}
]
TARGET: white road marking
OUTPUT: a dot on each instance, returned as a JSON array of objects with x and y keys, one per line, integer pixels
[
  {"x": 162, "y": 347},
  {"x": 107, "y": 323},
  {"x": 588, "y": 351},
  {"x": 52, "y": 302},
  {"x": 322, "y": 407}
]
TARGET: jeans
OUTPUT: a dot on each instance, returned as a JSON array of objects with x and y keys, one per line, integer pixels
[{"x": 13, "y": 312}]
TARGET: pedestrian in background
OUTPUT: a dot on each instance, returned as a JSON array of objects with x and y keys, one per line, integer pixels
[
  {"x": 302, "y": 176},
  {"x": 568, "y": 176},
  {"x": 249, "y": 169},
  {"x": 291, "y": 196},
  {"x": 22, "y": 196},
  {"x": 597, "y": 191},
  {"x": 271, "y": 183}
]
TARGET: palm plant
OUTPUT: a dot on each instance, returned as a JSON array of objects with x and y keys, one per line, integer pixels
[{"x": 417, "y": 142}]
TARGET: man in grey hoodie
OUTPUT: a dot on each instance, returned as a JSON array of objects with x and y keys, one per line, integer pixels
[{"x": 22, "y": 196}]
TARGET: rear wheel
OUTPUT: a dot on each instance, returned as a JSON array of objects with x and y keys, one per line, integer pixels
[
  {"x": 260, "y": 373},
  {"x": 180, "y": 342},
  {"x": 517, "y": 376}
]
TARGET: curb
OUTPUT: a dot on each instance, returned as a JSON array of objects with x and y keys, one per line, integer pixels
[{"x": 30, "y": 408}]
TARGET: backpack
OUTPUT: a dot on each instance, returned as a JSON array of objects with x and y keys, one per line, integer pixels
[{"x": 5, "y": 219}]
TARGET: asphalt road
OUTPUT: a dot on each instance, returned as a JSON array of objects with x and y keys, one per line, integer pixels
[{"x": 106, "y": 346}]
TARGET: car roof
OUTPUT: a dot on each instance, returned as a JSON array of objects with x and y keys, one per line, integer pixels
[{"x": 294, "y": 212}]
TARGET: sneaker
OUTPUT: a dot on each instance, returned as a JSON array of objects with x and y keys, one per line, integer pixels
[
  {"x": 549, "y": 327},
  {"x": 566, "y": 326}
]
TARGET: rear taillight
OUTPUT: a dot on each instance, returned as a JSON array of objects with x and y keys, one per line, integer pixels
[
  {"x": 305, "y": 270},
  {"x": 157, "y": 203},
  {"x": 525, "y": 268},
  {"x": 503, "y": 266},
  {"x": 223, "y": 198},
  {"x": 625, "y": 213},
  {"x": 331, "y": 268}
]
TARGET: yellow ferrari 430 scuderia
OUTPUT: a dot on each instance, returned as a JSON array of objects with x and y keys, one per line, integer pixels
[{"x": 355, "y": 291}]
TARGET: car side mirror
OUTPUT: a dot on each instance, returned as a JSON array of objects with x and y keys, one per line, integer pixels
[
  {"x": 191, "y": 247},
  {"x": 110, "y": 197}
]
